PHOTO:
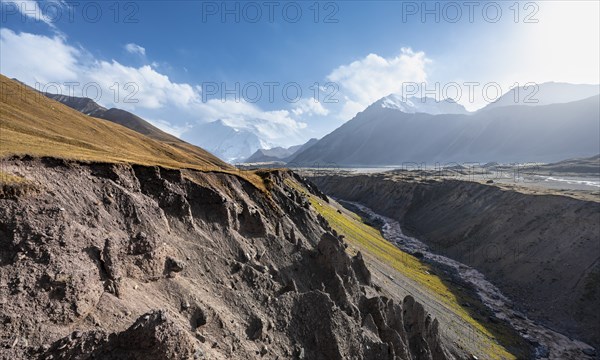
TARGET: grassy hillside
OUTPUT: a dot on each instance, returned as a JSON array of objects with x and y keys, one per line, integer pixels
[
  {"x": 131, "y": 121},
  {"x": 33, "y": 124}
]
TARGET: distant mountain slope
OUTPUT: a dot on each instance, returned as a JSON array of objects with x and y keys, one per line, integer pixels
[
  {"x": 384, "y": 136},
  {"x": 35, "y": 125},
  {"x": 274, "y": 154},
  {"x": 279, "y": 153},
  {"x": 307, "y": 145},
  {"x": 545, "y": 94},
  {"x": 589, "y": 166},
  {"x": 81, "y": 104}
]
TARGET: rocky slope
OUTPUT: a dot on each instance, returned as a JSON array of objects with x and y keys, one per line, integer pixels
[
  {"x": 118, "y": 261},
  {"x": 541, "y": 250}
]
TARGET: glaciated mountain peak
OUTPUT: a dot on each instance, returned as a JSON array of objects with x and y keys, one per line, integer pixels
[{"x": 427, "y": 105}]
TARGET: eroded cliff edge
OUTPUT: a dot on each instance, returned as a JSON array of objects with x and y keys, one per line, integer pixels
[{"x": 137, "y": 262}]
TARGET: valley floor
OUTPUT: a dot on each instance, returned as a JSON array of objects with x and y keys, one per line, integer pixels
[{"x": 502, "y": 230}]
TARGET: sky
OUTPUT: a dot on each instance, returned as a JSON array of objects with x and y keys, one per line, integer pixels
[{"x": 298, "y": 69}]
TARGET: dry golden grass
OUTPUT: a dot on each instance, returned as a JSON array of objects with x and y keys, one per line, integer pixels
[
  {"x": 13, "y": 185},
  {"x": 31, "y": 124},
  {"x": 9, "y": 179}
]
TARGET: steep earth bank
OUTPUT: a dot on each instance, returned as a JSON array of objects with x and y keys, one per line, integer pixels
[
  {"x": 543, "y": 251},
  {"x": 118, "y": 261}
]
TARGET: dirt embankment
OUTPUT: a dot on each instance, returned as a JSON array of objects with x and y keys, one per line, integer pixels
[
  {"x": 543, "y": 251},
  {"x": 117, "y": 261}
]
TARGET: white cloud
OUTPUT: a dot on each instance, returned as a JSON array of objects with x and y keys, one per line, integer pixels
[
  {"x": 28, "y": 8},
  {"x": 25, "y": 56},
  {"x": 365, "y": 81},
  {"x": 135, "y": 49},
  {"x": 173, "y": 129},
  {"x": 146, "y": 87},
  {"x": 143, "y": 90},
  {"x": 350, "y": 108},
  {"x": 276, "y": 127},
  {"x": 310, "y": 107}
]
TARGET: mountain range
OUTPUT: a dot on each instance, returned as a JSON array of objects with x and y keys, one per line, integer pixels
[
  {"x": 390, "y": 133},
  {"x": 561, "y": 123}
]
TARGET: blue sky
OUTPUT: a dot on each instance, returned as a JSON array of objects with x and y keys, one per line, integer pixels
[{"x": 172, "y": 49}]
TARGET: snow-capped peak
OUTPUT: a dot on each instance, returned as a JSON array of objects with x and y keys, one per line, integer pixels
[{"x": 426, "y": 105}]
